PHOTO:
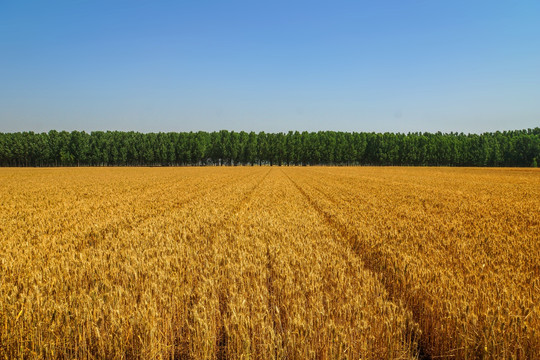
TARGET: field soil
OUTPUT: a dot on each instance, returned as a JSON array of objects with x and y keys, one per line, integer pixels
[{"x": 270, "y": 263}]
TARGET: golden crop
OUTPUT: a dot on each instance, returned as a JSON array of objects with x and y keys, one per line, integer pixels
[{"x": 269, "y": 263}]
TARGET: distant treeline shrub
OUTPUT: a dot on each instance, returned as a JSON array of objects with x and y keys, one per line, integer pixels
[{"x": 118, "y": 148}]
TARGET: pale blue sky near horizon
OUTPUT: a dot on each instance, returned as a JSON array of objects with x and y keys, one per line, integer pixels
[{"x": 149, "y": 66}]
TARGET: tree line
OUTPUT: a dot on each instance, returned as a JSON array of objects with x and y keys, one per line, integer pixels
[{"x": 119, "y": 148}]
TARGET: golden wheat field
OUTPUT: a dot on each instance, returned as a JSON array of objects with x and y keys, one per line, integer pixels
[{"x": 269, "y": 263}]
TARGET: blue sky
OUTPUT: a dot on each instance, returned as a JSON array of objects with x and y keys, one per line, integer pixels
[{"x": 399, "y": 66}]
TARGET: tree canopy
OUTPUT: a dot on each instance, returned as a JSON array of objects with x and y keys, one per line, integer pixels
[{"x": 117, "y": 148}]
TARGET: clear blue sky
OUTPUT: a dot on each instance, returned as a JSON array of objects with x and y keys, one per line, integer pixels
[{"x": 400, "y": 66}]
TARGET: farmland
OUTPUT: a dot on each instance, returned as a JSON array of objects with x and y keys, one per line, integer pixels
[{"x": 270, "y": 263}]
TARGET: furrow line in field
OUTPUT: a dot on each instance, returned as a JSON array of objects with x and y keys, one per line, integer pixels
[
  {"x": 274, "y": 307},
  {"x": 349, "y": 240},
  {"x": 456, "y": 285},
  {"x": 222, "y": 338},
  {"x": 243, "y": 202},
  {"x": 210, "y": 234}
]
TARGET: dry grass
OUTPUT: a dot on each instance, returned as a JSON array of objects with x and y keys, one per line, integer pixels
[{"x": 269, "y": 263}]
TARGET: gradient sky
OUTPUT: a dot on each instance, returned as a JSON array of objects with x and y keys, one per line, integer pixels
[{"x": 399, "y": 66}]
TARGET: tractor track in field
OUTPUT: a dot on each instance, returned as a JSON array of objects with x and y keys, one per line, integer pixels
[
  {"x": 243, "y": 202},
  {"x": 349, "y": 240},
  {"x": 211, "y": 234},
  {"x": 274, "y": 308}
]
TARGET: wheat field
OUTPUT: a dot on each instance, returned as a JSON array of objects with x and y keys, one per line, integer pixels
[{"x": 269, "y": 263}]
